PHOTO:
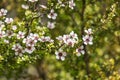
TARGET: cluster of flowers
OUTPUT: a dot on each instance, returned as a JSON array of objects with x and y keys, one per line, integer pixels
[
  {"x": 3, "y": 33},
  {"x": 53, "y": 15},
  {"x": 31, "y": 39},
  {"x": 30, "y": 42},
  {"x": 69, "y": 39},
  {"x": 3, "y": 12},
  {"x": 87, "y": 39},
  {"x": 6, "y": 33},
  {"x": 70, "y": 3}
]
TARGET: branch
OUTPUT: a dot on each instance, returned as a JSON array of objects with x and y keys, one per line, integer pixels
[
  {"x": 86, "y": 56},
  {"x": 28, "y": 24},
  {"x": 73, "y": 19}
]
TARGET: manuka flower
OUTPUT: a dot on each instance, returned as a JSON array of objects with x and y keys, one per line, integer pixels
[
  {"x": 20, "y": 35},
  {"x": 19, "y": 52},
  {"x": 52, "y": 14},
  {"x": 35, "y": 37},
  {"x": 8, "y": 20},
  {"x": 60, "y": 55},
  {"x": 89, "y": 31},
  {"x": 14, "y": 27},
  {"x": 80, "y": 50},
  {"x": 71, "y": 4},
  {"x": 9, "y": 33},
  {"x": 87, "y": 39},
  {"x": 51, "y": 25},
  {"x": 18, "y": 49},
  {"x": 3, "y": 12},
  {"x": 60, "y": 3}
]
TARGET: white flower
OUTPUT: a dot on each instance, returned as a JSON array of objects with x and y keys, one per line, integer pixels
[
  {"x": 80, "y": 50},
  {"x": 8, "y": 20},
  {"x": 65, "y": 38},
  {"x": 14, "y": 27},
  {"x": 3, "y": 12},
  {"x": 70, "y": 42},
  {"x": 25, "y": 6},
  {"x": 52, "y": 15},
  {"x": 71, "y": 4},
  {"x": 61, "y": 4},
  {"x": 19, "y": 52},
  {"x": 60, "y": 55},
  {"x": 29, "y": 49},
  {"x": 87, "y": 39},
  {"x": 6, "y": 41},
  {"x": 31, "y": 35},
  {"x": 31, "y": 39},
  {"x": 16, "y": 47},
  {"x": 9, "y": 33},
  {"x": 35, "y": 37},
  {"x": 33, "y": 0},
  {"x": 73, "y": 35},
  {"x": 20, "y": 35},
  {"x": 51, "y": 25},
  {"x": 2, "y": 34},
  {"x": 89, "y": 31},
  {"x": 25, "y": 40}
]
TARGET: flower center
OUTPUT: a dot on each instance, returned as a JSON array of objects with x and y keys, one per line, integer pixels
[
  {"x": 87, "y": 40},
  {"x": 29, "y": 48},
  {"x": 52, "y": 14},
  {"x": 79, "y": 50},
  {"x": 19, "y": 51},
  {"x": 60, "y": 54}
]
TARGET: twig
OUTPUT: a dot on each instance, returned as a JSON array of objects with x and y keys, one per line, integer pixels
[
  {"x": 28, "y": 24},
  {"x": 86, "y": 56}
]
